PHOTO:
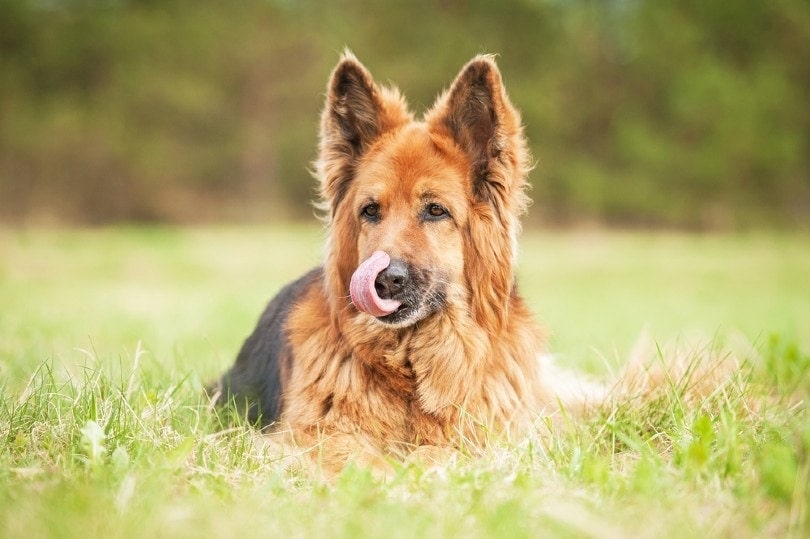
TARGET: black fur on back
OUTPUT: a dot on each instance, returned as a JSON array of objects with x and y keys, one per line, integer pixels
[{"x": 255, "y": 382}]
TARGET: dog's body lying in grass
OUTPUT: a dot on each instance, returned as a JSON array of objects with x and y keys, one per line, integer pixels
[{"x": 412, "y": 335}]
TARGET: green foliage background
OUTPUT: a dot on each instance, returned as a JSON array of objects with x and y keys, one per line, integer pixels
[{"x": 640, "y": 112}]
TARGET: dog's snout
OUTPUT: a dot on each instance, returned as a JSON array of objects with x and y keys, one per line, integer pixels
[{"x": 392, "y": 279}]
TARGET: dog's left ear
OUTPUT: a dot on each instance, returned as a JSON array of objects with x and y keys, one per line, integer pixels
[{"x": 478, "y": 115}]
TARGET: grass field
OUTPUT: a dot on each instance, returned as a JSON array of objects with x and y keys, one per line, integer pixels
[{"x": 106, "y": 337}]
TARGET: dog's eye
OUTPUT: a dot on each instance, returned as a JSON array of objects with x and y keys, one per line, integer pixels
[
  {"x": 435, "y": 212},
  {"x": 371, "y": 211}
]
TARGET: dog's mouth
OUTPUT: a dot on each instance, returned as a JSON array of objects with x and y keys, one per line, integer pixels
[
  {"x": 392, "y": 291},
  {"x": 367, "y": 288}
]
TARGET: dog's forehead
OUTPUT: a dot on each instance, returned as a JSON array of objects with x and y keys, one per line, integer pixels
[{"x": 414, "y": 158}]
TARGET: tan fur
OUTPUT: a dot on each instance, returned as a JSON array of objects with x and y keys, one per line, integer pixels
[
  {"x": 356, "y": 388},
  {"x": 360, "y": 387}
]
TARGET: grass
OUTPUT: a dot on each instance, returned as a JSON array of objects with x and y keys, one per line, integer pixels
[{"x": 108, "y": 336}]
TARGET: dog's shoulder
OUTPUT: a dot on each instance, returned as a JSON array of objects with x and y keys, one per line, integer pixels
[
  {"x": 256, "y": 381},
  {"x": 272, "y": 320}
]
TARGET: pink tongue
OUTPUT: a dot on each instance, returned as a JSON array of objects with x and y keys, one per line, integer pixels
[{"x": 364, "y": 295}]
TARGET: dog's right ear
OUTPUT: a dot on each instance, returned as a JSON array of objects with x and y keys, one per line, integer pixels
[{"x": 357, "y": 112}]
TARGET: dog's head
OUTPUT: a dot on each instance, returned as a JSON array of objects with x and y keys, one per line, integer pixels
[{"x": 423, "y": 215}]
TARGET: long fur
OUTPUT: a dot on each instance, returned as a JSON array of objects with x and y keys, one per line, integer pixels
[{"x": 463, "y": 363}]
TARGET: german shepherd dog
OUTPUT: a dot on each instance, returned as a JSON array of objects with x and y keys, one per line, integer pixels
[{"x": 412, "y": 335}]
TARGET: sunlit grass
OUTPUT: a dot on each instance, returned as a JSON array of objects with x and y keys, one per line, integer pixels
[{"x": 108, "y": 336}]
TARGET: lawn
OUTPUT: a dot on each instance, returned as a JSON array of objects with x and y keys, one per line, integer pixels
[{"x": 107, "y": 336}]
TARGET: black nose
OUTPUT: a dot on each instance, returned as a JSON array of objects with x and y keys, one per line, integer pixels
[{"x": 392, "y": 280}]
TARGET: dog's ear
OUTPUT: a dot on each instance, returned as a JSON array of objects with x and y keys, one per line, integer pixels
[
  {"x": 357, "y": 112},
  {"x": 478, "y": 115}
]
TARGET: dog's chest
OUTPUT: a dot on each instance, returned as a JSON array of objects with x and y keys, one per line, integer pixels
[{"x": 384, "y": 398}]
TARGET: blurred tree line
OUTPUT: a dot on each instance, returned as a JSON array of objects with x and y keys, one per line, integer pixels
[{"x": 688, "y": 114}]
